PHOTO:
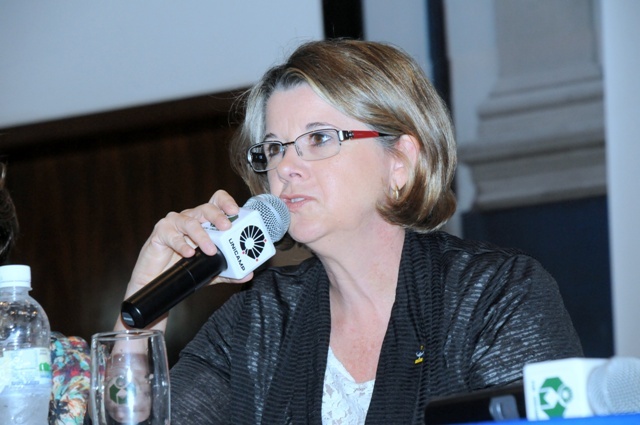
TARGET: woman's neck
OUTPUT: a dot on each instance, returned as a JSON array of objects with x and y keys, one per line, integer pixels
[
  {"x": 364, "y": 277},
  {"x": 364, "y": 272}
]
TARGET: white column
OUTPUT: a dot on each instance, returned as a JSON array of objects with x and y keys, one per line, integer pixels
[
  {"x": 620, "y": 35},
  {"x": 540, "y": 132}
]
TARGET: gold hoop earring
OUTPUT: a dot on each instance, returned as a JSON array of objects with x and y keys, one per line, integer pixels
[{"x": 396, "y": 193}]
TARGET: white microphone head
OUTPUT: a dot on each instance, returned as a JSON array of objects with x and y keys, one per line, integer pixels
[
  {"x": 274, "y": 213},
  {"x": 614, "y": 387}
]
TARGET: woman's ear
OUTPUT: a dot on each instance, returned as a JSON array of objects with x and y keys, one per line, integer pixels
[{"x": 407, "y": 151}]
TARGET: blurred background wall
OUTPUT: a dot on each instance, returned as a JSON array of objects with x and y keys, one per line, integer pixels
[{"x": 113, "y": 114}]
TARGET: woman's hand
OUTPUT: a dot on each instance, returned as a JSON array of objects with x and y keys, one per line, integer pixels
[
  {"x": 127, "y": 394},
  {"x": 176, "y": 236}
]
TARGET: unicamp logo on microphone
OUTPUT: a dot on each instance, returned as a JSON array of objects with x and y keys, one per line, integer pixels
[
  {"x": 246, "y": 245},
  {"x": 252, "y": 241}
]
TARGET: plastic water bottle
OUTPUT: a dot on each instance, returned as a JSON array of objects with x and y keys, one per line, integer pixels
[{"x": 25, "y": 359}]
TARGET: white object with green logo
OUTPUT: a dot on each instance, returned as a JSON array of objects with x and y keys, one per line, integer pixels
[{"x": 579, "y": 387}]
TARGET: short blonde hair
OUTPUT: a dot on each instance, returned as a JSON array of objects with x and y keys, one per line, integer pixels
[{"x": 384, "y": 88}]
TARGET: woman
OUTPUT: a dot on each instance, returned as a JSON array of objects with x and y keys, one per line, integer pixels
[{"x": 389, "y": 312}]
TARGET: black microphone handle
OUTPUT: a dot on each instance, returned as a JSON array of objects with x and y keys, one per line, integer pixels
[{"x": 171, "y": 287}]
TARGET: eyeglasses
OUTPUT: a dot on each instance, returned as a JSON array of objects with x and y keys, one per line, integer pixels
[{"x": 311, "y": 146}]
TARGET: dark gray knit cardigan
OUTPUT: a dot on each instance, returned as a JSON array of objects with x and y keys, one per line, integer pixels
[{"x": 467, "y": 316}]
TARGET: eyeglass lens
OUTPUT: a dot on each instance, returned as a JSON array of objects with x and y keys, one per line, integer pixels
[{"x": 312, "y": 146}]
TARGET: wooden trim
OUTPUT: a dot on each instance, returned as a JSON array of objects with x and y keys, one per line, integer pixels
[{"x": 206, "y": 107}]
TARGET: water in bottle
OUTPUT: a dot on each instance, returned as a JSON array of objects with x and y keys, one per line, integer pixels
[{"x": 25, "y": 359}]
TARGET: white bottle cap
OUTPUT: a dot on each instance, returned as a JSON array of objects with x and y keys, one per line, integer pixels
[{"x": 15, "y": 275}]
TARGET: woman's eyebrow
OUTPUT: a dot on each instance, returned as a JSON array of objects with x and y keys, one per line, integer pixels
[
  {"x": 269, "y": 136},
  {"x": 311, "y": 126},
  {"x": 316, "y": 124}
]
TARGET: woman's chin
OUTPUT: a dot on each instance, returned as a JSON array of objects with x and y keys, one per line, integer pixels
[{"x": 304, "y": 235}]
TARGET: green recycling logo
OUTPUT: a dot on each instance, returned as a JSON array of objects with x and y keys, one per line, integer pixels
[
  {"x": 121, "y": 392},
  {"x": 554, "y": 397}
]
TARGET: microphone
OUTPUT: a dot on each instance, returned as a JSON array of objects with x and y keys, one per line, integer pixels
[
  {"x": 614, "y": 387},
  {"x": 263, "y": 220},
  {"x": 580, "y": 387}
]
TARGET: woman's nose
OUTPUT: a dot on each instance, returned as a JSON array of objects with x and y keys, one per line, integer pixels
[{"x": 290, "y": 160}]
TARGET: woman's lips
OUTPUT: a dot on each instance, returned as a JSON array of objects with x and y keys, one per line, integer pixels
[{"x": 295, "y": 202}]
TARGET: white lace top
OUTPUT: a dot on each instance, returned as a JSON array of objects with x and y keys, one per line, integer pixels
[{"x": 344, "y": 401}]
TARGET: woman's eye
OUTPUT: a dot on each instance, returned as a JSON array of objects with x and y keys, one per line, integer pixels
[
  {"x": 319, "y": 138},
  {"x": 272, "y": 149}
]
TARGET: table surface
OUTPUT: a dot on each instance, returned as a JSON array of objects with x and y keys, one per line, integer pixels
[{"x": 596, "y": 420}]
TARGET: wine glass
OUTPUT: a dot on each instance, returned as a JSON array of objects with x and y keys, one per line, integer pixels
[{"x": 129, "y": 378}]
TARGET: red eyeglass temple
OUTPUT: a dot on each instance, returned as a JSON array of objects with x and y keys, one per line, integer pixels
[{"x": 362, "y": 134}]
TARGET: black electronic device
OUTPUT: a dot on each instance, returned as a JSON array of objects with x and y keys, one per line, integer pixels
[{"x": 491, "y": 404}]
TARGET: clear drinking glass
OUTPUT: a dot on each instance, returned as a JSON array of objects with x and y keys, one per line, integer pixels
[{"x": 129, "y": 378}]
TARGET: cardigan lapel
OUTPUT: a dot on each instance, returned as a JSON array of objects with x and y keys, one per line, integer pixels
[
  {"x": 295, "y": 395},
  {"x": 411, "y": 355},
  {"x": 411, "y": 359}
]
